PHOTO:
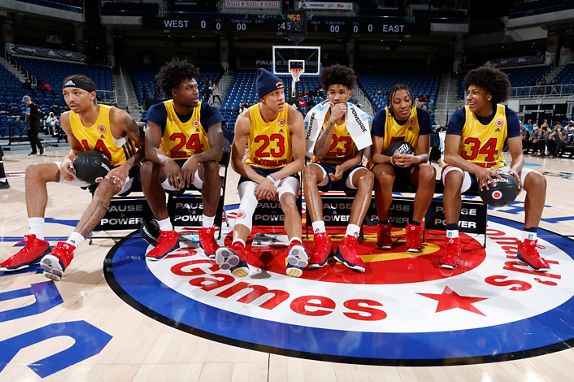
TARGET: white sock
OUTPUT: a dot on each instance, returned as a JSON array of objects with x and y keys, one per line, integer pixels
[
  {"x": 238, "y": 241},
  {"x": 75, "y": 239},
  {"x": 529, "y": 235},
  {"x": 319, "y": 226},
  {"x": 452, "y": 233},
  {"x": 36, "y": 227},
  {"x": 165, "y": 225},
  {"x": 353, "y": 230},
  {"x": 295, "y": 238},
  {"x": 208, "y": 221}
]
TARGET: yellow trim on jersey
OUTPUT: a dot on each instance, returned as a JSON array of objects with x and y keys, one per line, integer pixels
[
  {"x": 409, "y": 132},
  {"x": 99, "y": 136},
  {"x": 342, "y": 147},
  {"x": 181, "y": 140},
  {"x": 483, "y": 144},
  {"x": 269, "y": 144}
]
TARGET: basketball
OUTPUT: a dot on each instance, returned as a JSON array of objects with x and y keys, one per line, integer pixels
[
  {"x": 150, "y": 231},
  {"x": 502, "y": 192},
  {"x": 91, "y": 166},
  {"x": 400, "y": 147}
]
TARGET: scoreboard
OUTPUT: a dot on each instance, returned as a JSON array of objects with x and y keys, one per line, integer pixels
[
  {"x": 290, "y": 23},
  {"x": 353, "y": 26}
]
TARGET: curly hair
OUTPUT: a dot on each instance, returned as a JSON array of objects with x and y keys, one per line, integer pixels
[
  {"x": 338, "y": 75},
  {"x": 392, "y": 91},
  {"x": 490, "y": 79},
  {"x": 172, "y": 73}
]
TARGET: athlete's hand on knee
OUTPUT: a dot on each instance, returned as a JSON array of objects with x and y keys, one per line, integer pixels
[
  {"x": 173, "y": 174},
  {"x": 265, "y": 190},
  {"x": 188, "y": 171},
  {"x": 517, "y": 177},
  {"x": 118, "y": 176},
  {"x": 67, "y": 169}
]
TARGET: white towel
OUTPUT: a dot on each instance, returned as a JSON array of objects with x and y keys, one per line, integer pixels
[{"x": 357, "y": 121}]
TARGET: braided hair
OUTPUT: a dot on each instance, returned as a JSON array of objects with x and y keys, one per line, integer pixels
[{"x": 392, "y": 91}]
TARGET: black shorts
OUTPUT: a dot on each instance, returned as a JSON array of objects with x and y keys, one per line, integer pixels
[{"x": 341, "y": 184}]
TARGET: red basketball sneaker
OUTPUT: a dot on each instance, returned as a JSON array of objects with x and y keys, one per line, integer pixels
[
  {"x": 166, "y": 242},
  {"x": 528, "y": 254},
  {"x": 297, "y": 259},
  {"x": 207, "y": 241},
  {"x": 55, "y": 263},
  {"x": 348, "y": 255},
  {"x": 323, "y": 250},
  {"x": 450, "y": 259},
  {"x": 414, "y": 238},
  {"x": 384, "y": 240},
  {"x": 233, "y": 258},
  {"x": 34, "y": 249}
]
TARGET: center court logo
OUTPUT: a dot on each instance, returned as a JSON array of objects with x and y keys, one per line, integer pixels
[{"x": 403, "y": 310}]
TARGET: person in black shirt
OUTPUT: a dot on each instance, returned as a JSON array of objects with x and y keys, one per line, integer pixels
[{"x": 34, "y": 118}]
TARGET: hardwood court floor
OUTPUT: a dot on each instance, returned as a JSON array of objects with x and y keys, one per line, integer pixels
[{"x": 143, "y": 349}]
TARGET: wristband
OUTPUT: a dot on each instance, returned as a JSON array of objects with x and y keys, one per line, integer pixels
[{"x": 273, "y": 180}]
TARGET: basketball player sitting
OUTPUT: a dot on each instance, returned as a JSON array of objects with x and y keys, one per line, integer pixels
[
  {"x": 473, "y": 152},
  {"x": 272, "y": 132},
  {"x": 184, "y": 142},
  {"x": 402, "y": 121},
  {"x": 88, "y": 126},
  {"x": 336, "y": 165}
]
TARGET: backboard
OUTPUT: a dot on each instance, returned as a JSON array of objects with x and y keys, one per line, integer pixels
[{"x": 284, "y": 55}]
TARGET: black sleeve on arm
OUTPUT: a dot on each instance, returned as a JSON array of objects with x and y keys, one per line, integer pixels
[
  {"x": 424, "y": 120},
  {"x": 513, "y": 123},
  {"x": 158, "y": 115},
  {"x": 456, "y": 122},
  {"x": 378, "y": 126},
  {"x": 209, "y": 115}
]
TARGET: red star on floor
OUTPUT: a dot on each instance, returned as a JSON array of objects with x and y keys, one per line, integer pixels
[{"x": 449, "y": 299}]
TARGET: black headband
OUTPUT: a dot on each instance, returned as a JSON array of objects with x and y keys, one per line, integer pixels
[{"x": 80, "y": 83}]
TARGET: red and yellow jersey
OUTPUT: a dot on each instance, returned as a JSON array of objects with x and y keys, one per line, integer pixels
[
  {"x": 99, "y": 137},
  {"x": 181, "y": 140},
  {"x": 482, "y": 144},
  {"x": 408, "y": 132},
  {"x": 342, "y": 146},
  {"x": 269, "y": 144}
]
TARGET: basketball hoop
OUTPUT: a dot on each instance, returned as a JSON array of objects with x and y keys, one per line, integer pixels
[{"x": 296, "y": 73}]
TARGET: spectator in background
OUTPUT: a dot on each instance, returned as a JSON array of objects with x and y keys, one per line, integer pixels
[
  {"x": 206, "y": 91},
  {"x": 560, "y": 138},
  {"x": 525, "y": 134},
  {"x": 552, "y": 139},
  {"x": 34, "y": 118},
  {"x": 242, "y": 107},
  {"x": 55, "y": 109},
  {"x": 528, "y": 126},
  {"x": 215, "y": 94},
  {"x": 570, "y": 131},
  {"x": 52, "y": 124},
  {"x": 538, "y": 138}
]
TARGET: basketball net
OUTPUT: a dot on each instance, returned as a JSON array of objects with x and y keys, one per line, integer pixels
[{"x": 296, "y": 74}]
